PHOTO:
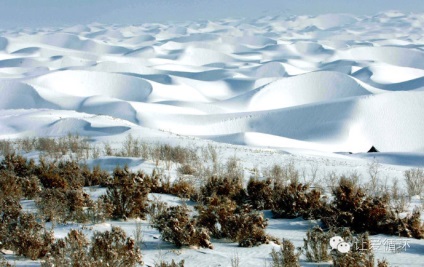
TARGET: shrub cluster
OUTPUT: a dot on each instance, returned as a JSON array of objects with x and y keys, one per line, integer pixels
[
  {"x": 63, "y": 174},
  {"x": 230, "y": 187},
  {"x": 352, "y": 208},
  {"x": 127, "y": 195},
  {"x": 316, "y": 245},
  {"x": 176, "y": 226},
  {"x": 225, "y": 219},
  {"x": 60, "y": 205},
  {"x": 21, "y": 232},
  {"x": 109, "y": 248},
  {"x": 360, "y": 253},
  {"x": 73, "y": 145},
  {"x": 286, "y": 257},
  {"x": 296, "y": 200},
  {"x": 171, "y": 264}
]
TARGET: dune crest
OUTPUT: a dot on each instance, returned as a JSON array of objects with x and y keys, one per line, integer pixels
[{"x": 333, "y": 82}]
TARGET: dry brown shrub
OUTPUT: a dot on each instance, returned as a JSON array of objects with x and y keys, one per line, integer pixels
[
  {"x": 114, "y": 248},
  {"x": 296, "y": 200},
  {"x": 97, "y": 176},
  {"x": 224, "y": 219},
  {"x": 352, "y": 208},
  {"x": 109, "y": 248},
  {"x": 186, "y": 170},
  {"x": 18, "y": 165},
  {"x": 183, "y": 188},
  {"x": 127, "y": 194},
  {"x": 176, "y": 226},
  {"x": 58, "y": 205},
  {"x": 170, "y": 264},
  {"x": 316, "y": 245},
  {"x": 286, "y": 257},
  {"x": 28, "y": 237},
  {"x": 215, "y": 212},
  {"x": 223, "y": 186},
  {"x": 9, "y": 185},
  {"x": 360, "y": 254},
  {"x": 260, "y": 194}
]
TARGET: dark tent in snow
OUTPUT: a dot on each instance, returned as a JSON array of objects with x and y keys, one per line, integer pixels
[{"x": 372, "y": 150}]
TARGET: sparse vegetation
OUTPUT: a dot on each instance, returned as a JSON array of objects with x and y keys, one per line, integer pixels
[
  {"x": 316, "y": 245},
  {"x": 414, "y": 179},
  {"x": 227, "y": 208},
  {"x": 109, "y": 248},
  {"x": 127, "y": 195},
  {"x": 176, "y": 226},
  {"x": 170, "y": 264},
  {"x": 352, "y": 208},
  {"x": 21, "y": 232},
  {"x": 286, "y": 257},
  {"x": 360, "y": 253}
]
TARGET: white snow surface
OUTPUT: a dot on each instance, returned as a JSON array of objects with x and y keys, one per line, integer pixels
[
  {"x": 333, "y": 82},
  {"x": 271, "y": 89}
]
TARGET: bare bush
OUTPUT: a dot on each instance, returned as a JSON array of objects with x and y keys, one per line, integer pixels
[
  {"x": 414, "y": 179},
  {"x": 107, "y": 149},
  {"x": 374, "y": 178},
  {"x": 58, "y": 205},
  {"x": 283, "y": 174},
  {"x": 234, "y": 170},
  {"x": 170, "y": 264},
  {"x": 398, "y": 198},
  {"x": 52, "y": 206},
  {"x": 70, "y": 251},
  {"x": 186, "y": 170},
  {"x": 235, "y": 260},
  {"x": 138, "y": 233},
  {"x": 286, "y": 257},
  {"x": 98, "y": 210},
  {"x": 18, "y": 165},
  {"x": 155, "y": 208},
  {"x": 97, "y": 176},
  {"x": 6, "y": 147},
  {"x": 316, "y": 245}
]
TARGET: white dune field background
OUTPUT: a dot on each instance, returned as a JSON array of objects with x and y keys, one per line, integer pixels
[{"x": 267, "y": 90}]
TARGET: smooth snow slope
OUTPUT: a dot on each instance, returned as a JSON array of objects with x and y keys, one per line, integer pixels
[{"x": 332, "y": 82}]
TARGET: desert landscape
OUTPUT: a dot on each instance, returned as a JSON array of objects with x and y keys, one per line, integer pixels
[{"x": 293, "y": 100}]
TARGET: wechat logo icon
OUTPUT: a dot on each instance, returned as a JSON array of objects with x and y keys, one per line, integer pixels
[{"x": 338, "y": 243}]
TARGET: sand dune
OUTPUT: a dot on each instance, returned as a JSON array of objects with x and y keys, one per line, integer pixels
[
  {"x": 300, "y": 90},
  {"x": 332, "y": 82},
  {"x": 89, "y": 83}
]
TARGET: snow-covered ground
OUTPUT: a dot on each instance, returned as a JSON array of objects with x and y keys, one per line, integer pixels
[{"x": 271, "y": 90}]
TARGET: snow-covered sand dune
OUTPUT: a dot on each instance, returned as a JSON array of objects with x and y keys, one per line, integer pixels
[
  {"x": 332, "y": 82},
  {"x": 307, "y": 86}
]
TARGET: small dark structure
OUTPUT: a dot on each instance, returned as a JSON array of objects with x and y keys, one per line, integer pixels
[{"x": 373, "y": 150}]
